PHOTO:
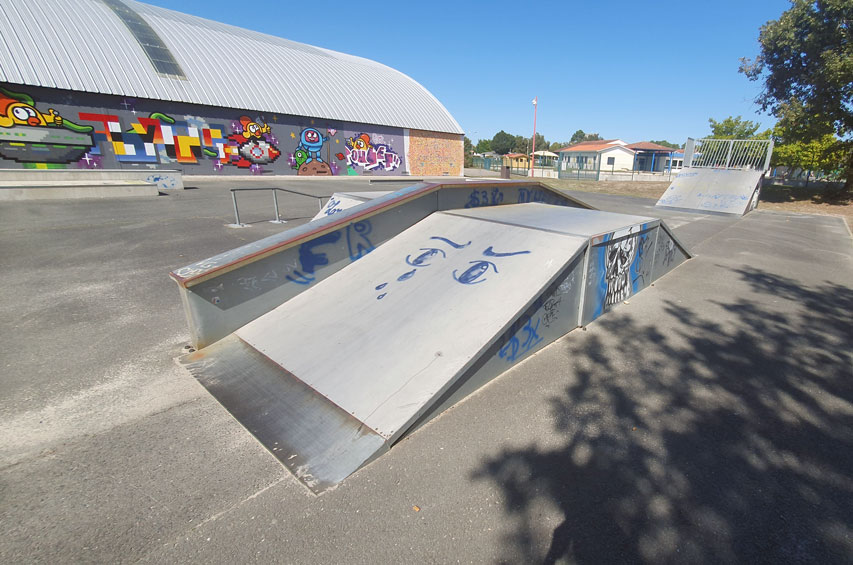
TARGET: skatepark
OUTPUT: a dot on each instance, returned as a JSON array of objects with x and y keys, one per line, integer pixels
[{"x": 703, "y": 419}]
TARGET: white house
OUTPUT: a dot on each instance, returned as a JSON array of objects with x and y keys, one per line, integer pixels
[
  {"x": 654, "y": 158},
  {"x": 604, "y": 154}
]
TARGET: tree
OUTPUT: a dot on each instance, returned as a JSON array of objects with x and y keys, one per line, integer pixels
[
  {"x": 806, "y": 66},
  {"x": 521, "y": 144},
  {"x": 737, "y": 128},
  {"x": 468, "y": 149},
  {"x": 556, "y": 146},
  {"x": 665, "y": 143},
  {"x": 483, "y": 146},
  {"x": 581, "y": 136},
  {"x": 577, "y": 137},
  {"x": 823, "y": 156},
  {"x": 502, "y": 143}
]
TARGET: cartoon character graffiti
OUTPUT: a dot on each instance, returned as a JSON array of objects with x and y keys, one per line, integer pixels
[
  {"x": 363, "y": 152},
  {"x": 18, "y": 112},
  {"x": 307, "y": 158},
  {"x": 360, "y": 143},
  {"x": 618, "y": 260},
  {"x": 311, "y": 141},
  {"x": 300, "y": 156},
  {"x": 253, "y": 130},
  {"x": 251, "y": 147},
  {"x": 31, "y": 136}
]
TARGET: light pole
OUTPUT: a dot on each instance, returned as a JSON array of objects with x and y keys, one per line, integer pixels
[{"x": 532, "y": 153}]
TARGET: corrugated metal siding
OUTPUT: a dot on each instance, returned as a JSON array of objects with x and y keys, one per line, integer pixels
[{"x": 82, "y": 45}]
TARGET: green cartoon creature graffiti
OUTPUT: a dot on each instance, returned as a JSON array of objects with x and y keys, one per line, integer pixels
[{"x": 299, "y": 156}]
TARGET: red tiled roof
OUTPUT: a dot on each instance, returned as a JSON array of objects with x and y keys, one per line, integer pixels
[
  {"x": 587, "y": 146},
  {"x": 649, "y": 146},
  {"x": 514, "y": 155}
]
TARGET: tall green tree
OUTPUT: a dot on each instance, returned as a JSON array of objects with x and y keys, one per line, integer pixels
[
  {"x": 521, "y": 144},
  {"x": 502, "y": 143},
  {"x": 666, "y": 143},
  {"x": 580, "y": 135},
  {"x": 823, "y": 156},
  {"x": 577, "y": 137},
  {"x": 468, "y": 149},
  {"x": 806, "y": 66},
  {"x": 541, "y": 143},
  {"x": 483, "y": 146},
  {"x": 737, "y": 128}
]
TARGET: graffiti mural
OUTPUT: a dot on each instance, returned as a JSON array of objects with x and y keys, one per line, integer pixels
[
  {"x": 311, "y": 259},
  {"x": 618, "y": 260},
  {"x": 53, "y": 128},
  {"x": 250, "y": 146},
  {"x": 522, "y": 342},
  {"x": 308, "y": 155},
  {"x": 369, "y": 155},
  {"x": 477, "y": 271},
  {"x": 479, "y": 198},
  {"x": 160, "y": 139},
  {"x": 29, "y": 136},
  {"x": 157, "y": 138}
]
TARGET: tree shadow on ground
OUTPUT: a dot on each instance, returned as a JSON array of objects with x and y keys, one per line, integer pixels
[
  {"x": 721, "y": 442},
  {"x": 814, "y": 194}
]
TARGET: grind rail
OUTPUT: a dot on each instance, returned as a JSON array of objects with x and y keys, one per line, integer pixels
[{"x": 275, "y": 190}]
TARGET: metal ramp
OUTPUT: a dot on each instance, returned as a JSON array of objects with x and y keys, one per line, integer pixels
[
  {"x": 724, "y": 191},
  {"x": 720, "y": 176},
  {"x": 334, "y": 376}
]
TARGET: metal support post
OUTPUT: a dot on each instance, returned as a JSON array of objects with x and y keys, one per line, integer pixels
[
  {"x": 278, "y": 219},
  {"x": 237, "y": 223}
]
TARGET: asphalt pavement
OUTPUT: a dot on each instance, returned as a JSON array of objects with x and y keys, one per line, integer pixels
[{"x": 709, "y": 419}]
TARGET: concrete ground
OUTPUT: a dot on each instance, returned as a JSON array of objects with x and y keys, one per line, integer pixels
[{"x": 708, "y": 420}]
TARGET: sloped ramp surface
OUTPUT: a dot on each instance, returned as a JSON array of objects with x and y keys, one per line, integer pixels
[
  {"x": 332, "y": 378},
  {"x": 725, "y": 191},
  {"x": 340, "y": 201}
]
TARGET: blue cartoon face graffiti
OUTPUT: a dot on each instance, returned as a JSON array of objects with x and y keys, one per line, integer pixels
[
  {"x": 475, "y": 273},
  {"x": 311, "y": 141}
]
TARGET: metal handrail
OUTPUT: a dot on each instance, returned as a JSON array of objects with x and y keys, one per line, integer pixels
[{"x": 274, "y": 190}]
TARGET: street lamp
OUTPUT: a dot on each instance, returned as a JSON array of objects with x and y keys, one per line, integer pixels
[{"x": 535, "y": 106}]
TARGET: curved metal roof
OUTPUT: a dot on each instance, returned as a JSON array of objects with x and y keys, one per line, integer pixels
[{"x": 84, "y": 45}]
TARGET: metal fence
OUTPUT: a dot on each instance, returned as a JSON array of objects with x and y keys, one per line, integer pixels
[
  {"x": 495, "y": 164},
  {"x": 487, "y": 163},
  {"x": 728, "y": 153},
  {"x": 588, "y": 171}
]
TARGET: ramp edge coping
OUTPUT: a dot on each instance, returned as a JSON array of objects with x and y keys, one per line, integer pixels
[{"x": 208, "y": 272}]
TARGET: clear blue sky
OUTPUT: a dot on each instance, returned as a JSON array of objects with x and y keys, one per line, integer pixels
[{"x": 630, "y": 70}]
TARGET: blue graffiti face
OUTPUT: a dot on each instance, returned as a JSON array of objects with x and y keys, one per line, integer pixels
[
  {"x": 473, "y": 273},
  {"x": 312, "y": 139},
  {"x": 423, "y": 259}
]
